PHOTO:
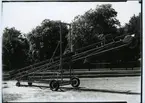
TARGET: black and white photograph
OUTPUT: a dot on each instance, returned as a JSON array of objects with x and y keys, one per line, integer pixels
[{"x": 72, "y": 51}]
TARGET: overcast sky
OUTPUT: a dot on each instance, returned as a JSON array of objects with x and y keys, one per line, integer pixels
[{"x": 25, "y": 16}]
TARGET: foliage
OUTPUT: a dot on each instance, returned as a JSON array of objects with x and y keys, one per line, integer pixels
[
  {"x": 134, "y": 27},
  {"x": 20, "y": 50},
  {"x": 86, "y": 28},
  {"x": 15, "y": 49},
  {"x": 44, "y": 39}
]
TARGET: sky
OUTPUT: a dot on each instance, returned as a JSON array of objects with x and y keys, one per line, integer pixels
[{"x": 26, "y": 16}]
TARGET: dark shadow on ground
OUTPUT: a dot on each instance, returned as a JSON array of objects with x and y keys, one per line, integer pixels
[
  {"x": 80, "y": 89},
  {"x": 40, "y": 86}
]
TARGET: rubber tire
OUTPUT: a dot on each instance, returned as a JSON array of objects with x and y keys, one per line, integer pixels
[
  {"x": 30, "y": 83},
  {"x": 75, "y": 82},
  {"x": 54, "y": 85},
  {"x": 18, "y": 84}
]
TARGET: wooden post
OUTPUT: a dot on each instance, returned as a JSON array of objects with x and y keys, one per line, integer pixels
[
  {"x": 71, "y": 46},
  {"x": 60, "y": 67}
]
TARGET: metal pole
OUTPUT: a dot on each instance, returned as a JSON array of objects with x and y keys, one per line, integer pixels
[{"x": 61, "y": 52}]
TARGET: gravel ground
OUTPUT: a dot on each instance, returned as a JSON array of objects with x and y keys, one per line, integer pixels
[{"x": 91, "y": 89}]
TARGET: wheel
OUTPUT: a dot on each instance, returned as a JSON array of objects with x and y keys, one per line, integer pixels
[
  {"x": 18, "y": 84},
  {"x": 75, "y": 82},
  {"x": 54, "y": 85},
  {"x": 30, "y": 83}
]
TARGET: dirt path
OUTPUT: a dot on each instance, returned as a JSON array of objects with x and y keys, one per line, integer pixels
[{"x": 91, "y": 89}]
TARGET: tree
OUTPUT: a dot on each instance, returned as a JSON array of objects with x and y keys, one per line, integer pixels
[
  {"x": 134, "y": 27},
  {"x": 130, "y": 28},
  {"x": 86, "y": 28},
  {"x": 15, "y": 49},
  {"x": 44, "y": 39}
]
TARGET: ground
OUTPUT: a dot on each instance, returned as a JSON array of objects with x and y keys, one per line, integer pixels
[{"x": 91, "y": 89}]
